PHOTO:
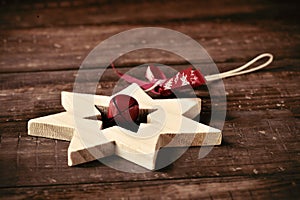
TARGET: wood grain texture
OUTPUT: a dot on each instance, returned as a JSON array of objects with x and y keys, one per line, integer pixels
[
  {"x": 65, "y": 48},
  {"x": 34, "y": 13},
  {"x": 42, "y": 44},
  {"x": 205, "y": 188}
]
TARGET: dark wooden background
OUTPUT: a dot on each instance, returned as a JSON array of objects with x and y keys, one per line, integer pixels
[{"x": 44, "y": 42}]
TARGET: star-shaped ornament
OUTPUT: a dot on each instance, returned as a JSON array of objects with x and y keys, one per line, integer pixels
[{"x": 166, "y": 123}]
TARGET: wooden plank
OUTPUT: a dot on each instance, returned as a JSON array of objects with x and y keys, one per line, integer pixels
[
  {"x": 42, "y": 49},
  {"x": 39, "y": 14},
  {"x": 204, "y": 188},
  {"x": 25, "y": 98},
  {"x": 66, "y": 77}
]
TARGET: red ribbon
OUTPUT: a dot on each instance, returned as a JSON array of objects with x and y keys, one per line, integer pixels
[{"x": 161, "y": 85}]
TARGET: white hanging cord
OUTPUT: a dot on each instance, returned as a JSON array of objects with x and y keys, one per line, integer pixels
[{"x": 238, "y": 71}]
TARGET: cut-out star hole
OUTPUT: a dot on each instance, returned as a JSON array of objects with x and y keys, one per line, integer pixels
[{"x": 110, "y": 122}]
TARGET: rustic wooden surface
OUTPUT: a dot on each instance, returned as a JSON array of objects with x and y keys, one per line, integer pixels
[{"x": 44, "y": 43}]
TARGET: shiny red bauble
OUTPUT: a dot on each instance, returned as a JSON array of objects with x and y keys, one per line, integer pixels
[{"x": 124, "y": 111}]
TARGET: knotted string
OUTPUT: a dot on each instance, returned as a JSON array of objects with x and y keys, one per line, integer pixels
[{"x": 158, "y": 83}]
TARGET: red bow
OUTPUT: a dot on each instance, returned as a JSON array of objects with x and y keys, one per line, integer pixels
[{"x": 160, "y": 84}]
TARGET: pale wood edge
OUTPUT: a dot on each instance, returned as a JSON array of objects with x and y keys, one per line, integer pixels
[
  {"x": 39, "y": 128},
  {"x": 193, "y": 140},
  {"x": 90, "y": 154}
]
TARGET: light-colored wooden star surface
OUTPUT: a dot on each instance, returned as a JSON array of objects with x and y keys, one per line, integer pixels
[{"x": 169, "y": 125}]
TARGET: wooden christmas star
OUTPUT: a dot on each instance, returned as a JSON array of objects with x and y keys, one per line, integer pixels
[{"x": 169, "y": 124}]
